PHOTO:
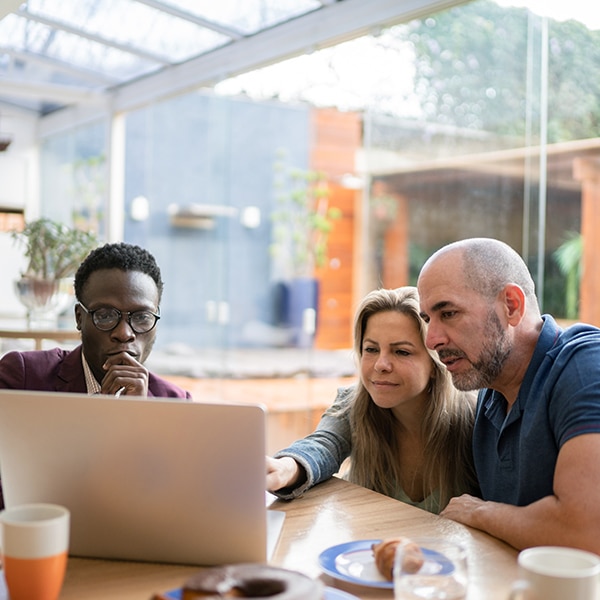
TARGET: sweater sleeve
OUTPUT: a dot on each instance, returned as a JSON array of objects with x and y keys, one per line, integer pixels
[{"x": 322, "y": 453}]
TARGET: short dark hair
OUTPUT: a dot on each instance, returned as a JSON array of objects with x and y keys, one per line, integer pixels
[{"x": 127, "y": 257}]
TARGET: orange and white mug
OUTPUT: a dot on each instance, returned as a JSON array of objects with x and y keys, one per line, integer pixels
[{"x": 34, "y": 542}]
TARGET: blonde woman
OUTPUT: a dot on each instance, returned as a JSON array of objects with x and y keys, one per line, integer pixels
[{"x": 406, "y": 429}]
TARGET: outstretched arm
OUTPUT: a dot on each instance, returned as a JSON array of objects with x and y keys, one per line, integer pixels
[
  {"x": 283, "y": 472},
  {"x": 316, "y": 457},
  {"x": 570, "y": 517}
]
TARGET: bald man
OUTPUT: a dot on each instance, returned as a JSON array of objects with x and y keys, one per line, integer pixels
[{"x": 537, "y": 431}]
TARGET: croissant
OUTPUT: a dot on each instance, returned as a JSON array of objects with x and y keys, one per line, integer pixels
[{"x": 385, "y": 553}]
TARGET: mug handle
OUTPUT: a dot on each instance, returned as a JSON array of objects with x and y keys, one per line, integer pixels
[{"x": 521, "y": 589}]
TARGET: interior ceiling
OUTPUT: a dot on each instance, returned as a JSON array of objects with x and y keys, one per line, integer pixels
[{"x": 116, "y": 54}]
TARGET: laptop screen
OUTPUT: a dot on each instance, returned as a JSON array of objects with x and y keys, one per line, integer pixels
[{"x": 145, "y": 479}]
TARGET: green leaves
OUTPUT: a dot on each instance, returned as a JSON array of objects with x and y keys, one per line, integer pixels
[
  {"x": 568, "y": 258},
  {"x": 53, "y": 249},
  {"x": 302, "y": 220}
]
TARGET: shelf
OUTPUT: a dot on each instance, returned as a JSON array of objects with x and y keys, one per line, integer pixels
[{"x": 199, "y": 216}]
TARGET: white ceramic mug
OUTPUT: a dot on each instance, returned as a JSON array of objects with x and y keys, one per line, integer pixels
[
  {"x": 34, "y": 540},
  {"x": 556, "y": 573}
]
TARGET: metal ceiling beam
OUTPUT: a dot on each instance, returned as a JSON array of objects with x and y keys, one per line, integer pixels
[
  {"x": 50, "y": 92},
  {"x": 82, "y": 74},
  {"x": 188, "y": 16},
  {"x": 60, "y": 26},
  {"x": 334, "y": 23}
]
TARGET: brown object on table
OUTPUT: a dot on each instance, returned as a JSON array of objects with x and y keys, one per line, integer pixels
[
  {"x": 251, "y": 581},
  {"x": 385, "y": 553}
]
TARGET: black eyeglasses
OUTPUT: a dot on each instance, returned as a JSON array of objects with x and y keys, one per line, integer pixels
[{"x": 106, "y": 319}]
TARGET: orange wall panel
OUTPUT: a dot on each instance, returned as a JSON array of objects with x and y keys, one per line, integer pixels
[
  {"x": 336, "y": 137},
  {"x": 588, "y": 172},
  {"x": 396, "y": 270}
]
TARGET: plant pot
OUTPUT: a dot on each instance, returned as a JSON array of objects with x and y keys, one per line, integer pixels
[
  {"x": 303, "y": 302},
  {"x": 44, "y": 299}
]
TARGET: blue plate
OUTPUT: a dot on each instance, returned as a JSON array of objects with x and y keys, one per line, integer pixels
[
  {"x": 354, "y": 562},
  {"x": 335, "y": 594}
]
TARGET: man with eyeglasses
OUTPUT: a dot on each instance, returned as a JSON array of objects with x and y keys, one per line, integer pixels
[{"x": 118, "y": 288}]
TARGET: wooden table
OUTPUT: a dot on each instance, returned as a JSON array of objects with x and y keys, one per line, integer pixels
[
  {"x": 59, "y": 335},
  {"x": 333, "y": 512}
]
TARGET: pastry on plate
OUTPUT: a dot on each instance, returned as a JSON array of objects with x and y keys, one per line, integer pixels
[{"x": 385, "y": 553}]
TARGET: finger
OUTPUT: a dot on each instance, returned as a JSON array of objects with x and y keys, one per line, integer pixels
[
  {"x": 120, "y": 359},
  {"x": 132, "y": 387},
  {"x": 134, "y": 382}
]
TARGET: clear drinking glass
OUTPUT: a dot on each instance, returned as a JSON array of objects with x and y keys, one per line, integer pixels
[{"x": 430, "y": 569}]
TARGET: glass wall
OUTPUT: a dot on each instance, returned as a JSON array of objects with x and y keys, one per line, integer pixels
[
  {"x": 504, "y": 111},
  {"x": 200, "y": 176},
  {"x": 205, "y": 166},
  {"x": 74, "y": 177},
  {"x": 472, "y": 121}
]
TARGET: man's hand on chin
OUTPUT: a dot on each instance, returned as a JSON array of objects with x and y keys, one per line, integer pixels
[{"x": 125, "y": 376}]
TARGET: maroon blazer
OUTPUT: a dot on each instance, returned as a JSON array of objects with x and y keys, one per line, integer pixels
[{"x": 59, "y": 370}]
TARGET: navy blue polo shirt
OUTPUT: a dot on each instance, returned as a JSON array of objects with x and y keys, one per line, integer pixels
[{"x": 515, "y": 454}]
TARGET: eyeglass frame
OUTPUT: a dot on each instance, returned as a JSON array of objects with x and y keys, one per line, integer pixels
[{"x": 126, "y": 314}]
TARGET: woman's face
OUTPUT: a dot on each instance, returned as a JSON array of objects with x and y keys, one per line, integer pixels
[{"x": 395, "y": 367}]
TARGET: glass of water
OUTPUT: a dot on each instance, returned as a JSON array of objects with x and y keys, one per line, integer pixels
[{"x": 430, "y": 569}]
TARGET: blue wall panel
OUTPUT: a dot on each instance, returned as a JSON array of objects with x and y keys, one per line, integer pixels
[{"x": 201, "y": 149}]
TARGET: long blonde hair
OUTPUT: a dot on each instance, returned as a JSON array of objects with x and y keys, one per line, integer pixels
[{"x": 447, "y": 424}]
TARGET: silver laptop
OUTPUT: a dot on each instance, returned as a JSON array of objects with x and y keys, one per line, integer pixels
[{"x": 145, "y": 479}]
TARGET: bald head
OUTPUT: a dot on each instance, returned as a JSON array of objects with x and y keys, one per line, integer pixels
[{"x": 486, "y": 266}]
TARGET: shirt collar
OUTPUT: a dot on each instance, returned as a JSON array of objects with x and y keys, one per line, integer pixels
[
  {"x": 494, "y": 403},
  {"x": 92, "y": 385}
]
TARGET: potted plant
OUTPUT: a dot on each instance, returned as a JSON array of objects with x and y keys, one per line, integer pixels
[
  {"x": 54, "y": 252},
  {"x": 302, "y": 222}
]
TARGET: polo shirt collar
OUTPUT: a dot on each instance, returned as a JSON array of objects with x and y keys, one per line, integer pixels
[
  {"x": 495, "y": 404},
  {"x": 548, "y": 336}
]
